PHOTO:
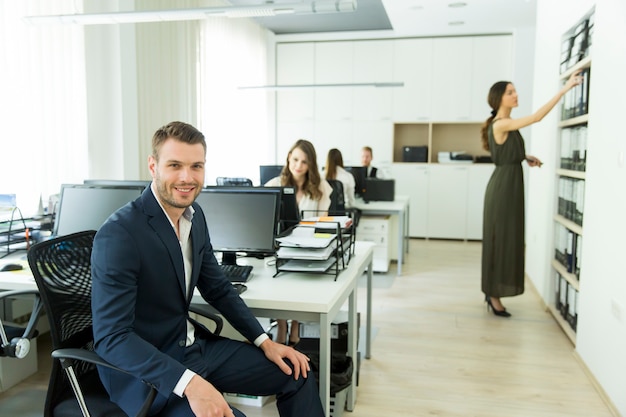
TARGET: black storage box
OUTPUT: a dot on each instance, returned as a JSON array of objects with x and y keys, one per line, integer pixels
[
  {"x": 379, "y": 189},
  {"x": 415, "y": 154}
]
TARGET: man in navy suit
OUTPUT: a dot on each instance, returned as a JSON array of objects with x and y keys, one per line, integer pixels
[{"x": 147, "y": 259}]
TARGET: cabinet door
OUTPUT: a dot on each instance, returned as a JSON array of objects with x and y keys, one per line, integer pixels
[
  {"x": 447, "y": 201},
  {"x": 412, "y": 65},
  {"x": 479, "y": 175},
  {"x": 332, "y": 134},
  {"x": 288, "y": 132},
  {"x": 492, "y": 61},
  {"x": 412, "y": 180},
  {"x": 333, "y": 65},
  {"x": 372, "y": 63},
  {"x": 295, "y": 64},
  {"x": 452, "y": 80},
  {"x": 376, "y": 134}
]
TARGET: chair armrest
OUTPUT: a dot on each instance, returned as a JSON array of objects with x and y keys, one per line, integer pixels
[
  {"x": 30, "y": 330},
  {"x": 207, "y": 311},
  {"x": 66, "y": 355},
  {"x": 83, "y": 355}
]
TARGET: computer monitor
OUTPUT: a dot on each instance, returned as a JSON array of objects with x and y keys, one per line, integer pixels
[
  {"x": 359, "y": 178},
  {"x": 124, "y": 183},
  {"x": 379, "y": 189},
  {"x": 241, "y": 219},
  {"x": 86, "y": 207},
  {"x": 267, "y": 172},
  {"x": 289, "y": 214}
]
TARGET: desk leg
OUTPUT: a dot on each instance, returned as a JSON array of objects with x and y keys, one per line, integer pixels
[
  {"x": 352, "y": 348},
  {"x": 400, "y": 242},
  {"x": 325, "y": 358},
  {"x": 407, "y": 228},
  {"x": 368, "y": 329}
]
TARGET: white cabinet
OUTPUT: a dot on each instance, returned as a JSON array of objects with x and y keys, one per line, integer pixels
[
  {"x": 452, "y": 79},
  {"x": 296, "y": 66},
  {"x": 287, "y": 132},
  {"x": 412, "y": 66},
  {"x": 479, "y": 176},
  {"x": 412, "y": 180},
  {"x": 373, "y": 62},
  {"x": 332, "y": 134},
  {"x": 492, "y": 61},
  {"x": 447, "y": 201},
  {"x": 333, "y": 65},
  {"x": 378, "y": 134},
  {"x": 465, "y": 70},
  {"x": 442, "y": 106},
  {"x": 376, "y": 229}
]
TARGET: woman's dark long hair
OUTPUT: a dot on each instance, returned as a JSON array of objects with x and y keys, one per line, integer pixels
[{"x": 494, "y": 99}]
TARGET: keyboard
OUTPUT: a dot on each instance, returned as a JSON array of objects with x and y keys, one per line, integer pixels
[{"x": 237, "y": 273}]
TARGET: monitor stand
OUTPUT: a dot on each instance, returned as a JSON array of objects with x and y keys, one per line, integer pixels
[{"x": 229, "y": 258}]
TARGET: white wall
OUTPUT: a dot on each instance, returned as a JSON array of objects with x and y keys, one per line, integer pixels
[
  {"x": 139, "y": 77},
  {"x": 601, "y": 337}
]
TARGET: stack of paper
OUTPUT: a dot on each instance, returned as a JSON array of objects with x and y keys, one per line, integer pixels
[{"x": 322, "y": 221}]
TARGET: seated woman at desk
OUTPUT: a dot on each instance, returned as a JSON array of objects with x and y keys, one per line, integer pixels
[
  {"x": 312, "y": 196},
  {"x": 334, "y": 171}
]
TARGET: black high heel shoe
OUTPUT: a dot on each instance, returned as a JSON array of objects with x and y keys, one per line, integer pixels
[{"x": 499, "y": 313}]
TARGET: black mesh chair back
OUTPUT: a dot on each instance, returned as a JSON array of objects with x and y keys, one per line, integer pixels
[
  {"x": 337, "y": 202},
  {"x": 233, "y": 182},
  {"x": 62, "y": 270}
]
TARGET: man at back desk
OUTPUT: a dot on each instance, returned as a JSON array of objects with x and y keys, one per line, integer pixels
[
  {"x": 147, "y": 260},
  {"x": 366, "y": 162}
]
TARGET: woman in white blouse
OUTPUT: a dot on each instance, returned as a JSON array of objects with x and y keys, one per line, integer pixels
[{"x": 312, "y": 194}]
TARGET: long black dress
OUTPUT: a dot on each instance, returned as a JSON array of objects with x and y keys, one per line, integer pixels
[{"x": 503, "y": 219}]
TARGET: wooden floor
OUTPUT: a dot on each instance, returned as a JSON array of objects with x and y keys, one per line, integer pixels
[{"x": 438, "y": 352}]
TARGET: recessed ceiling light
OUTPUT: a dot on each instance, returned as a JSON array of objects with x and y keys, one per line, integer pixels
[
  {"x": 416, "y": 8},
  {"x": 457, "y": 4},
  {"x": 456, "y": 23}
]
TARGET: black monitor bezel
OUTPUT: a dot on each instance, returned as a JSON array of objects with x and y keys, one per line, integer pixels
[
  {"x": 229, "y": 251},
  {"x": 359, "y": 174},
  {"x": 117, "y": 183},
  {"x": 277, "y": 168},
  {"x": 64, "y": 187}
]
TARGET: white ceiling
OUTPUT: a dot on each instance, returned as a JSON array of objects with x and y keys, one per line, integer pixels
[{"x": 408, "y": 18}]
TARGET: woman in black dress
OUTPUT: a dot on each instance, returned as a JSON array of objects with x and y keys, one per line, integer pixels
[{"x": 503, "y": 217}]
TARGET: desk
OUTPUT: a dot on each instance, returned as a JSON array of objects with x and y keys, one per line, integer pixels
[
  {"x": 299, "y": 296},
  {"x": 313, "y": 297},
  {"x": 399, "y": 207}
]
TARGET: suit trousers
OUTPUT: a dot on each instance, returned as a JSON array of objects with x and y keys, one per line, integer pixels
[{"x": 239, "y": 367}]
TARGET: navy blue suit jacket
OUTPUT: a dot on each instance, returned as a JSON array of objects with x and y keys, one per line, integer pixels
[{"x": 140, "y": 303}]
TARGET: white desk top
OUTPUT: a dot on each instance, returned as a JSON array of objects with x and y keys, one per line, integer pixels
[
  {"x": 289, "y": 291},
  {"x": 16, "y": 280},
  {"x": 399, "y": 204},
  {"x": 300, "y": 291}
]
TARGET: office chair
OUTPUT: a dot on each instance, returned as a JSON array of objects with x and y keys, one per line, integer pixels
[
  {"x": 15, "y": 340},
  {"x": 233, "y": 182},
  {"x": 62, "y": 271},
  {"x": 337, "y": 201}
]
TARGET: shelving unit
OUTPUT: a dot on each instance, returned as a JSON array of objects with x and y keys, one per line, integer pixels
[
  {"x": 438, "y": 137},
  {"x": 570, "y": 177}
]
